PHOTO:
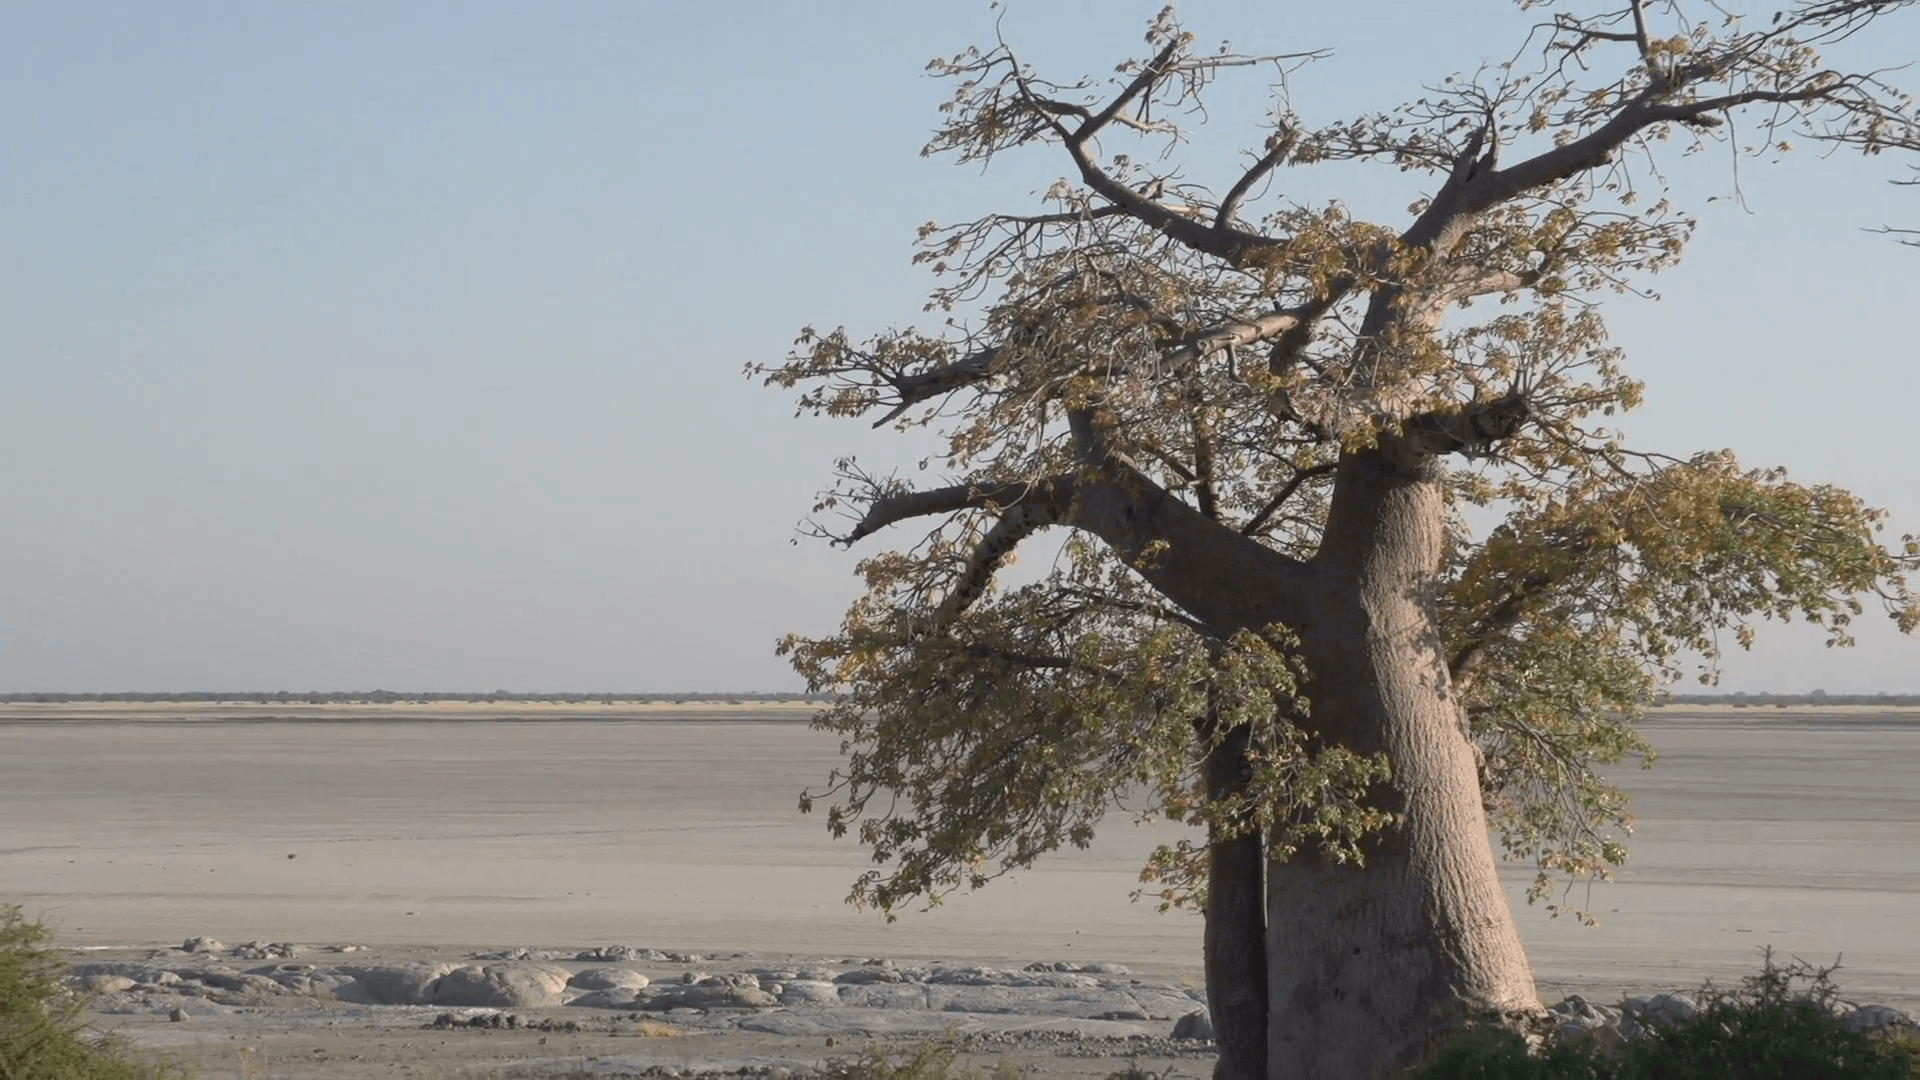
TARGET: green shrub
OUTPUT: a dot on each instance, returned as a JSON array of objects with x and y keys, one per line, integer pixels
[
  {"x": 42, "y": 1034},
  {"x": 1497, "y": 1054},
  {"x": 1779, "y": 1026}
]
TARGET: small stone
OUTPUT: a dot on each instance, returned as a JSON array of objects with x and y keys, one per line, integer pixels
[{"x": 177, "y": 1016}]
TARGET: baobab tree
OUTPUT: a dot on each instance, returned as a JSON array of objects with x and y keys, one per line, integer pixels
[{"x": 1264, "y": 431}]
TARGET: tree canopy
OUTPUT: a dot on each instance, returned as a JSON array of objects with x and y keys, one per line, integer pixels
[{"x": 1210, "y": 349}]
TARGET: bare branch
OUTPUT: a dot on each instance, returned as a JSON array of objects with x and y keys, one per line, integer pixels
[
  {"x": 1286, "y": 492},
  {"x": 1279, "y": 145},
  {"x": 904, "y": 505},
  {"x": 1016, "y": 524}
]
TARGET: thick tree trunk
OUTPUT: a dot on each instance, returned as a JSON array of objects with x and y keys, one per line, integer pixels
[
  {"x": 1370, "y": 967},
  {"x": 1236, "y": 931}
]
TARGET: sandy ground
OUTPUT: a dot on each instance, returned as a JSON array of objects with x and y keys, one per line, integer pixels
[{"x": 431, "y": 831}]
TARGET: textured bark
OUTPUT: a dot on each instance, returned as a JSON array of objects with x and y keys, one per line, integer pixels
[
  {"x": 1235, "y": 937},
  {"x": 1227, "y": 581},
  {"x": 1370, "y": 967}
]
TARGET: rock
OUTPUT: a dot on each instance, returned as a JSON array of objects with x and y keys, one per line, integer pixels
[
  {"x": 618, "y": 954},
  {"x": 619, "y": 997},
  {"x": 178, "y": 1016},
  {"x": 1880, "y": 1017},
  {"x": 1577, "y": 1011},
  {"x": 1578, "y": 1020},
  {"x": 808, "y": 992},
  {"x": 267, "y": 950},
  {"x": 239, "y": 982},
  {"x": 1195, "y": 1025},
  {"x": 304, "y": 979},
  {"x": 1161, "y": 1003},
  {"x": 1010, "y": 1001},
  {"x": 202, "y": 945},
  {"x": 527, "y": 986},
  {"x": 524, "y": 954},
  {"x": 711, "y": 996},
  {"x": 608, "y": 979},
  {"x": 978, "y": 976},
  {"x": 411, "y": 984},
  {"x": 1669, "y": 1008},
  {"x": 870, "y": 975},
  {"x": 887, "y": 996},
  {"x": 106, "y": 984},
  {"x": 320, "y": 984}
]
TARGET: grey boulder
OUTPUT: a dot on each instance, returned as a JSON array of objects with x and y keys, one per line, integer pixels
[
  {"x": 613, "y": 998},
  {"x": 1195, "y": 1025},
  {"x": 525, "y": 986},
  {"x": 809, "y": 992},
  {"x": 408, "y": 984},
  {"x": 1880, "y": 1017},
  {"x": 1666, "y": 1008},
  {"x": 710, "y": 996},
  {"x": 106, "y": 984},
  {"x": 608, "y": 978}
]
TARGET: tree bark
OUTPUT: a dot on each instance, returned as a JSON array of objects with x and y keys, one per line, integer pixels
[
  {"x": 1234, "y": 939},
  {"x": 1372, "y": 966}
]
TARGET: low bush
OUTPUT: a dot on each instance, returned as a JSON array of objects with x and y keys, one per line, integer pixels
[
  {"x": 1780, "y": 1025},
  {"x": 932, "y": 1060},
  {"x": 42, "y": 1033}
]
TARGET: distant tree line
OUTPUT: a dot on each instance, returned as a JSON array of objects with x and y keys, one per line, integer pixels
[
  {"x": 390, "y": 697},
  {"x": 1817, "y": 697}
]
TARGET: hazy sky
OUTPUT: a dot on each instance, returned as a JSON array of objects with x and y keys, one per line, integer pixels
[{"x": 400, "y": 345}]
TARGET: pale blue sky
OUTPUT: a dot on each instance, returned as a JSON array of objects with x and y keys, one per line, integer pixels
[{"x": 400, "y": 345}]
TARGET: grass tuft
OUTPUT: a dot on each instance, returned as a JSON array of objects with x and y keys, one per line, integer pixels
[{"x": 935, "y": 1059}]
